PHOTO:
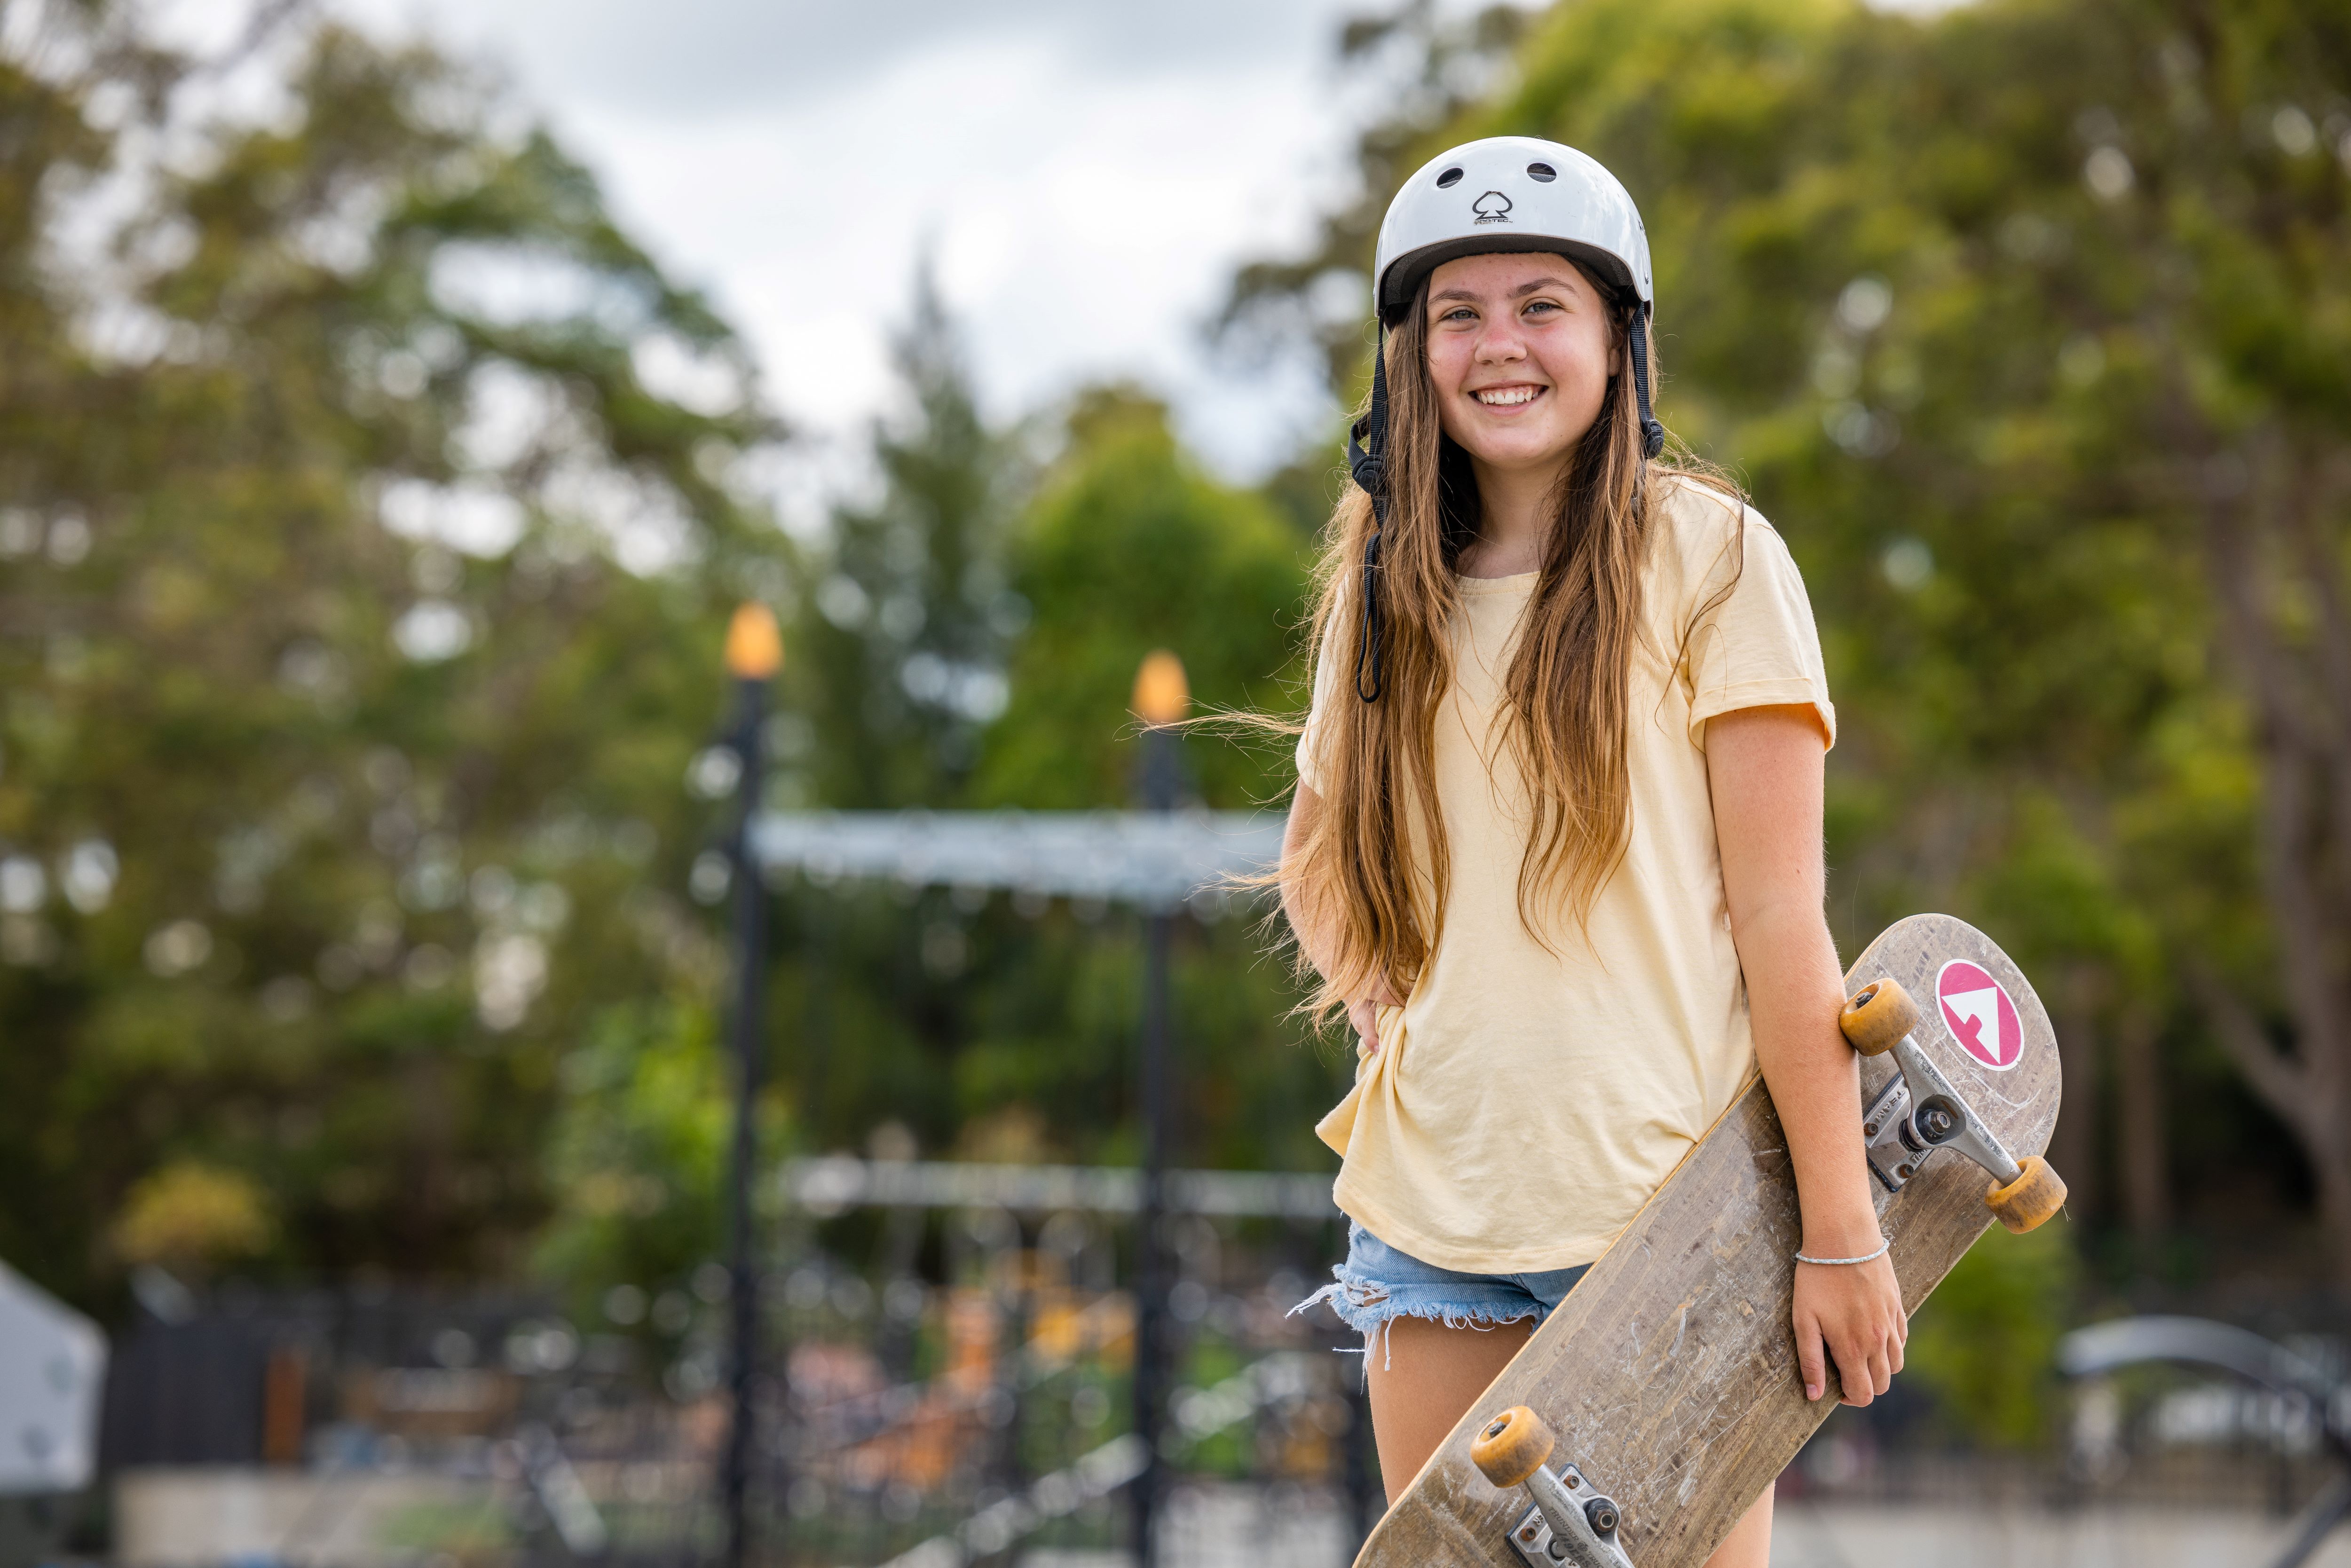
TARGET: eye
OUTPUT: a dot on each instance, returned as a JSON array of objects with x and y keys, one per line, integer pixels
[{"x": 1535, "y": 305}]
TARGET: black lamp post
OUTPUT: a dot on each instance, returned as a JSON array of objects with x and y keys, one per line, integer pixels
[
  {"x": 1162, "y": 698},
  {"x": 755, "y": 652}
]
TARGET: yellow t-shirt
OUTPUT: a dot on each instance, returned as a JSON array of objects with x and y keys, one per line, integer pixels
[{"x": 1525, "y": 1101}]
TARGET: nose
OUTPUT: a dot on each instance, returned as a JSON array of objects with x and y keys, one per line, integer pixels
[{"x": 1501, "y": 342}]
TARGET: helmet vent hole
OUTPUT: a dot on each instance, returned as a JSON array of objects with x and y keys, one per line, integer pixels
[
  {"x": 1542, "y": 172},
  {"x": 1450, "y": 178}
]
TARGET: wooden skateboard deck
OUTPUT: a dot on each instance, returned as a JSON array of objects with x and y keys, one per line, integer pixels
[{"x": 1669, "y": 1372}]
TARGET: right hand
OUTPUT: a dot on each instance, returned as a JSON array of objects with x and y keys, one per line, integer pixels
[
  {"x": 1851, "y": 1313},
  {"x": 1363, "y": 1012}
]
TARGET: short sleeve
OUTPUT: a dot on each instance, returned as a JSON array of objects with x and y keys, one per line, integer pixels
[{"x": 1759, "y": 647}]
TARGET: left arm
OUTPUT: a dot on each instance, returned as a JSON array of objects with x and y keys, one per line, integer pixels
[{"x": 1764, "y": 768}]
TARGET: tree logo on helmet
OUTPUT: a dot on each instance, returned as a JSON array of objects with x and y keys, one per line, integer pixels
[{"x": 1493, "y": 207}]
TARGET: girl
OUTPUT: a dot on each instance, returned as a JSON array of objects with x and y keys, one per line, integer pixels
[{"x": 1556, "y": 847}]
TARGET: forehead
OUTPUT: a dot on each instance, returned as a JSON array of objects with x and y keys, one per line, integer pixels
[{"x": 1501, "y": 273}]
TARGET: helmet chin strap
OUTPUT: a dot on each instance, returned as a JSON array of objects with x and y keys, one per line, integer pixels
[
  {"x": 1367, "y": 448},
  {"x": 1653, "y": 434}
]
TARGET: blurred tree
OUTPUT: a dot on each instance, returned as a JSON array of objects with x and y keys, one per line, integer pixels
[
  {"x": 1130, "y": 548},
  {"x": 993, "y": 1025},
  {"x": 366, "y": 526},
  {"x": 2026, "y": 323},
  {"x": 904, "y": 625},
  {"x": 1430, "y": 66},
  {"x": 1127, "y": 548},
  {"x": 1987, "y": 1344},
  {"x": 635, "y": 1157},
  {"x": 191, "y": 1218},
  {"x": 897, "y": 667}
]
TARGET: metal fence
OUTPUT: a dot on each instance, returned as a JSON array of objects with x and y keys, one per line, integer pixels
[{"x": 950, "y": 1376}]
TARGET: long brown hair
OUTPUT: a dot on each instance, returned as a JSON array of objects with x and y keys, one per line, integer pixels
[{"x": 1565, "y": 692}]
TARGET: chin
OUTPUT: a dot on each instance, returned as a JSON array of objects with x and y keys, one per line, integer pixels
[{"x": 1523, "y": 449}]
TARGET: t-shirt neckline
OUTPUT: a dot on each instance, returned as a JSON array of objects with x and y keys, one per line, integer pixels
[{"x": 1517, "y": 582}]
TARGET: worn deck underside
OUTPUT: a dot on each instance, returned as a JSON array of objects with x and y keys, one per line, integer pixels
[{"x": 1669, "y": 1372}]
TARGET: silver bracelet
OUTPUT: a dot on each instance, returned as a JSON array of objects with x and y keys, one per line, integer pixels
[{"x": 1865, "y": 1258}]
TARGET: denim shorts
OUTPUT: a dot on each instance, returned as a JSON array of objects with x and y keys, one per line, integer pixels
[{"x": 1378, "y": 1285}]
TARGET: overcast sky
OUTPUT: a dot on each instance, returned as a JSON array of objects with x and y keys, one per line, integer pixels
[{"x": 1086, "y": 172}]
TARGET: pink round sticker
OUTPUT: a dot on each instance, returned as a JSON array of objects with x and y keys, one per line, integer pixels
[{"x": 1977, "y": 1011}]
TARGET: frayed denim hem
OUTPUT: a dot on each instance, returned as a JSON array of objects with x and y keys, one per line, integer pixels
[{"x": 1370, "y": 1308}]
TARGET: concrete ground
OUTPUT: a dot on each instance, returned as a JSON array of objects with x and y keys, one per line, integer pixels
[
  {"x": 1852, "y": 1535},
  {"x": 197, "y": 1519},
  {"x": 1246, "y": 1528},
  {"x": 206, "y": 1517}
]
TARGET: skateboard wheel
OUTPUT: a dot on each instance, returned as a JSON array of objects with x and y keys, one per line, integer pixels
[
  {"x": 1878, "y": 1018},
  {"x": 2023, "y": 1204},
  {"x": 1512, "y": 1446}
]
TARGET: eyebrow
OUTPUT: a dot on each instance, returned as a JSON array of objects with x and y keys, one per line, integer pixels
[{"x": 1520, "y": 292}]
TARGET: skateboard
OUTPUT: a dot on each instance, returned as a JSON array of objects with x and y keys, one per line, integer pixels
[{"x": 1655, "y": 1405}]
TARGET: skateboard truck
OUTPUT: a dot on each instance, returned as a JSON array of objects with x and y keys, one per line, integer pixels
[
  {"x": 1570, "y": 1521},
  {"x": 1918, "y": 1113}
]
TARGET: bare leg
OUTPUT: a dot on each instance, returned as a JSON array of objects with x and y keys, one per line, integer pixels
[
  {"x": 1425, "y": 1376},
  {"x": 1748, "y": 1544}
]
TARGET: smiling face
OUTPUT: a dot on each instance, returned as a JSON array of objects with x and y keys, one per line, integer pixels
[{"x": 1520, "y": 345}]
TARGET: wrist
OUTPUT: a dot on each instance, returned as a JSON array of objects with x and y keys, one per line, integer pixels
[
  {"x": 1850, "y": 1260},
  {"x": 1842, "y": 1235}
]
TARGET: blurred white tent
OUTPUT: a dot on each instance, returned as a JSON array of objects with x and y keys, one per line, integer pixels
[{"x": 52, "y": 1374}]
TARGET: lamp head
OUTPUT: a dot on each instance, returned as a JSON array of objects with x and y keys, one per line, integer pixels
[
  {"x": 755, "y": 648},
  {"x": 1162, "y": 696}
]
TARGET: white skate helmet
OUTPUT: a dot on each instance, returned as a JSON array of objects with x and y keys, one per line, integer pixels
[{"x": 1509, "y": 192}]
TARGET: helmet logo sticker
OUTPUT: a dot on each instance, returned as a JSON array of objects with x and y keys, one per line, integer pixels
[{"x": 1493, "y": 207}]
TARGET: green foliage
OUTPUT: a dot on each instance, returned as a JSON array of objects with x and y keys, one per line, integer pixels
[
  {"x": 191, "y": 1218},
  {"x": 1986, "y": 1341},
  {"x": 363, "y": 592},
  {"x": 637, "y": 1152},
  {"x": 1130, "y": 548},
  {"x": 967, "y": 1021},
  {"x": 902, "y": 624}
]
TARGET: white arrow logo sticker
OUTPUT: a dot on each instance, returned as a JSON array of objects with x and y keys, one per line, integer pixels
[{"x": 1976, "y": 1010}]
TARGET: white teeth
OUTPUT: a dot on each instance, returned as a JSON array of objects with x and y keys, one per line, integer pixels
[{"x": 1507, "y": 397}]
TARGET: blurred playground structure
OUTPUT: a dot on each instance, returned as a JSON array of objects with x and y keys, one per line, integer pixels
[
  {"x": 955, "y": 1395},
  {"x": 947, "y": 1420},
  {"x": 924, "y": 1423}
]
